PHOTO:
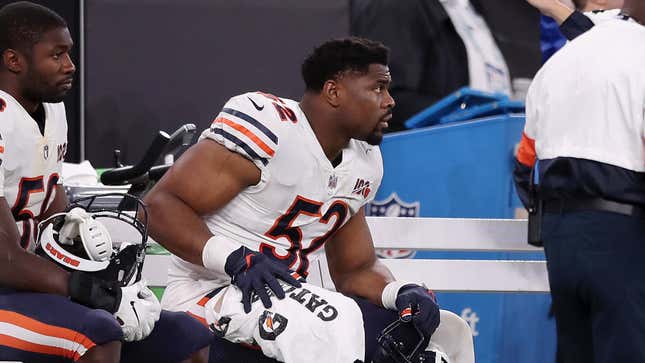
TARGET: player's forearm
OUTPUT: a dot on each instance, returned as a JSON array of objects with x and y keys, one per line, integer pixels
[
  {"x": 22, "y": 270},
  {"x": 176, "y": 226},
  {"x": 367, "y": 282}
]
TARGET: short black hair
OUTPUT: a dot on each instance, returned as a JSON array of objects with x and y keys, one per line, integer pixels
[
  {"x": 334, "y": 57},
  {"x": 22, "y": 25}
]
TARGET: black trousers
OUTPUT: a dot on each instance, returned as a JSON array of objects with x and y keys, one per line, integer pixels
[{"x": 596, "y": 263}]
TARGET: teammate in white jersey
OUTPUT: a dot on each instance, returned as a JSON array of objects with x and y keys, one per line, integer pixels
[
  {"x": 272, "y": 183},
  {"x": 46, "y": 313}
]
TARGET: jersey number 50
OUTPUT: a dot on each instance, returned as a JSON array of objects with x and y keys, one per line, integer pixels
[{"x": 26, "y": 188}]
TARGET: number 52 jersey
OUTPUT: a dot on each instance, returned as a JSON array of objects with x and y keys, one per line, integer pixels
[
  {"x": 301, "y": 200},
  {"x": 30, "y": 162}
]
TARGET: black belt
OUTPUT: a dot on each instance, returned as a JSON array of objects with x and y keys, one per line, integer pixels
[{"x": 592, "y": 204}]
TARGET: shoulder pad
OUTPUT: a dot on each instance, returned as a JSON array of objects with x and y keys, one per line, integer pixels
[{"x": 251, "y": 124}]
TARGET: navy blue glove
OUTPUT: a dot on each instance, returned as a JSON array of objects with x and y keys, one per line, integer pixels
[
  {"x": 255, "y": 273},
  {"x": 419, "y": 304}
]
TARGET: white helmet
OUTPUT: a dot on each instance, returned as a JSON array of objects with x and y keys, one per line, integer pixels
[{"x": 79, "y": 239}]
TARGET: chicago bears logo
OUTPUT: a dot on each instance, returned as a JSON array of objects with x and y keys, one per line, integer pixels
[
  {"x": 220, "y": 327},
  {"x": 3, "y": 105},
  {"x": 393, "y": 206},
  {"x": 272, "y": 325}
]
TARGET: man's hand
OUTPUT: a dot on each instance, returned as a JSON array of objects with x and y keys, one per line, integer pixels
[
  {"x": 135, "y": 307},
  {"x": 419, "y": 303},
  {"x": 90, "y": 291},
  {"x": 559, "y": 10},
  {"x": 138, "y": 311},
  {"x": 254, "y": 272}
]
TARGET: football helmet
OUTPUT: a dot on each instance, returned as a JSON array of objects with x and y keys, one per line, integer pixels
[
  {"x": 403, "y": 342},
  {"x": 98, "y": 238}
]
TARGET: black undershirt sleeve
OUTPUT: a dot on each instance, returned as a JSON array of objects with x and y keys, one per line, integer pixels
[{"x": 576, "y": 24}]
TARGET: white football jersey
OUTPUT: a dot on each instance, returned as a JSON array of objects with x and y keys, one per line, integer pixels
[
  {"x": 30, "y": 165},
  {"x": 327, "y": 325},
  {"x": 301, "y": 198}
]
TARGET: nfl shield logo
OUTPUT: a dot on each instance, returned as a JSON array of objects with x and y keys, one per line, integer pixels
[
  {"x": 332, "y": 183},
  {"x": 393, "y": 206}
]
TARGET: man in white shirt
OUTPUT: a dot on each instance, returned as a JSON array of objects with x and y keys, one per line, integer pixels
[{"x": 581, "y": 168}]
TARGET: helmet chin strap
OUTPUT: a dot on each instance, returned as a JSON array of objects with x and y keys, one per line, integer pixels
[{"x": 59, "y": 254}]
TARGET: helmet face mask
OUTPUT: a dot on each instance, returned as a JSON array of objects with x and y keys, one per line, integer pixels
[
  {"x": 96, "y": 237},
  {"x": 403, "y": 342}
]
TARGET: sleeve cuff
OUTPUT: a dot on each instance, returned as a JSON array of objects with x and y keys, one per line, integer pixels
[
  {"x": 391, "y": 291},
  {"x": 576, "y": 24}
]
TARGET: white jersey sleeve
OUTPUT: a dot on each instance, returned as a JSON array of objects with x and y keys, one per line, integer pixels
[{"x": 250, "y": 125}]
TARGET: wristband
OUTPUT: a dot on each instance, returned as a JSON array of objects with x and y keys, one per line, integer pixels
[
  {"x": 390, "y": 292},
  {"x": 216, "y": 251}
]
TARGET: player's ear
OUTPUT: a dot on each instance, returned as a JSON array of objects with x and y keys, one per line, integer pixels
[
  {"x": 11, "y": 59},
  {"x": 331, "y": 92}
]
